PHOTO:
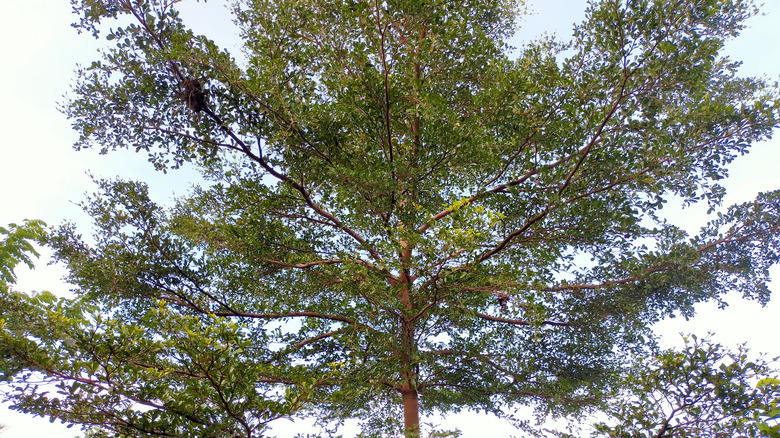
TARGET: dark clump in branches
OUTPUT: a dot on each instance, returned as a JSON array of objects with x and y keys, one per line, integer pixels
[{"x": 192, "y": 95}]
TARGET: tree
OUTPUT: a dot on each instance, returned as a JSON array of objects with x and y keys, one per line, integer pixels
[
  {"x": 401, "y": 215},
  {"x": 702, "y": 390},
  {"x": 16, "y": 247},
  {"x": 705, "y": 390}
]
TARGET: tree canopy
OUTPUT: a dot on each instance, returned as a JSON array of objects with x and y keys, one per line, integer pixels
[{"x": 401, "y": 214}]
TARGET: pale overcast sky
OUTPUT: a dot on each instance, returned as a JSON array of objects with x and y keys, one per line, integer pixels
[{"x": 41, "y": 176}]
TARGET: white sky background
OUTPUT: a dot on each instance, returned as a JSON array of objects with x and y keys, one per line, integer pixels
[{"x": 41, "y": 176}]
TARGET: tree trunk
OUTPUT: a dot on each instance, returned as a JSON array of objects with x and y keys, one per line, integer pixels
[
  {"x": 409, "y": 377},
  {"x": 411, "y": 411},
  {"x": 408, "y": 344}
]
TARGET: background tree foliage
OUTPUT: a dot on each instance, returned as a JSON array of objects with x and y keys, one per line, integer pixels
[
  {"x": 402, "y": 215},
  {"x": 704, "y": 390},
  {"x": 17, "y": 247}
]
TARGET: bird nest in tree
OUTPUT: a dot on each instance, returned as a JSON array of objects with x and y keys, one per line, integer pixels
[{"x": 192, "y": 94}]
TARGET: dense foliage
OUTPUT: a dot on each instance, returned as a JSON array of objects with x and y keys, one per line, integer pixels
[{"x": 401, "y": 215}]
